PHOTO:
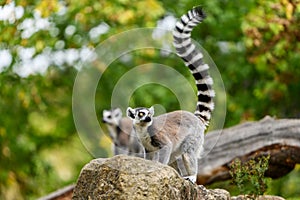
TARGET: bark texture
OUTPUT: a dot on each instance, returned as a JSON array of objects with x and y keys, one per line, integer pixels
[{"x": 279, "y": 138}]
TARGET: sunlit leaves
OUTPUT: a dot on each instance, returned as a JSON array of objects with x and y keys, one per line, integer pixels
[
  {"x": 47, "y": 7},
  {"x": 254, "y": 43},
  {"x": 271, "y": 39},
  {"x": 42, "y": 45}
]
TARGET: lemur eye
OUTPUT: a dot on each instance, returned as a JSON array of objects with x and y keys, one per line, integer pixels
[
  {"x": 109, "y": 116},
  {"x": 141, "y": 114}
]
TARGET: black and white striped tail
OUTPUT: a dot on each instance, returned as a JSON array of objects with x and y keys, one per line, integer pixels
[{"x": 193, "y": 58}]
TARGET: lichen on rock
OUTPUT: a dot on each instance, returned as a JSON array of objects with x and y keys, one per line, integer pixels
[{"x": 125, "y": 177}]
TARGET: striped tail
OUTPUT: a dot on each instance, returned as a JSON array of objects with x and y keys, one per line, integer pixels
[{"x": 193, "y": 59}]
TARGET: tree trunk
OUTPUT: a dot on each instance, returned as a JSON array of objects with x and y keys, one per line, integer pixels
[{"x": 278, "y": 138}]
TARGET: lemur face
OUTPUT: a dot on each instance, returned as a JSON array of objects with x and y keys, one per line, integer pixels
[
  {"x": 112, "y": 116},
  {"x": 141, "y": 115}
]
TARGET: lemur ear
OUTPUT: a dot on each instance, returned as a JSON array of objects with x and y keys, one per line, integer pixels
[
  {"x": 151, "y": 109},
  {"x": 104, "y": 111},
  {"x": 130, "y": 113},
  {"x": 118, "y": 112}
]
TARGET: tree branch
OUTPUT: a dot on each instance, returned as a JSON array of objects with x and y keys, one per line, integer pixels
[{"x": 278, "y": 138}]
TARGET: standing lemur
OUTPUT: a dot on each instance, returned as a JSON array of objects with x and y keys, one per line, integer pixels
[
  {"x": 179, "y": 134},
  {"x": 122, "y": 134}
]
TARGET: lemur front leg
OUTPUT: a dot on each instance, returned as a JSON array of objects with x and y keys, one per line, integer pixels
[
  {"x": 150, "y": 155},
  {"x": 190, "y": 162},
  {"x": 162, "y": 155},
  {"x": 165, "y": 153},
  {"x": 119, "y": 150},
  {"x": 141, "y": 153}
]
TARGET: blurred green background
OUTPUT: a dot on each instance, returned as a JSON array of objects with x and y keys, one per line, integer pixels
[{"x": 254, "y": 43}]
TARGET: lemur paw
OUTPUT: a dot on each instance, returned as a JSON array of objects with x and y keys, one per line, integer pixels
[{"x": 191, "y": 178}]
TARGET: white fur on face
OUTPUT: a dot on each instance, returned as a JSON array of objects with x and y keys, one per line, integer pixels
[
  {"x": 112, "y": 116},
  {"x": 141, "y": 115}
]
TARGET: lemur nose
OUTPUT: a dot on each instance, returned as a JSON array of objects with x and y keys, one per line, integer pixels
[{"x": 148, "y": 119}]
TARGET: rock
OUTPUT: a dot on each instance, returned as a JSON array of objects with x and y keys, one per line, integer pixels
[
  {"x": 265, "y": 197},
  {"x": 125, "y": 177}
]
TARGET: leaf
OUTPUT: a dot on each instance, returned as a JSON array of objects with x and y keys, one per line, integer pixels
[
  {"x": 276, "y": 28},
  {"x": 46, "y": 7},
  {"x": 289, "y": 11}
]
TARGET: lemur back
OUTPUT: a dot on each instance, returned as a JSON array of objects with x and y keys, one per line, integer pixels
[
  {"x": 179, "y": 134},
  {"x": 122, "y": 134}
]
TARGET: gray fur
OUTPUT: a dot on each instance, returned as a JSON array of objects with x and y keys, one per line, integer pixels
[
  {"x": 179, "y": 135},
  {"x": 170, "y": 137},
  {"x": 122, "y": 134}
]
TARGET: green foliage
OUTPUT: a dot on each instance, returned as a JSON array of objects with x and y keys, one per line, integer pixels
[
  {"x": 36, "y": 115},
  {"x": 249, "y": 176},
  {"x": 37, "y": 131},
  {"x": 271, "y": 37},
  {"x": 286, "y": 186},
  {"x": 254, "y": 43}
]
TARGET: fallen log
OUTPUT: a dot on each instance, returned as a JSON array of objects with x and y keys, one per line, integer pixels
[
  {"x": 61, "y": 194},
  {"x": 279, "y": 138}
]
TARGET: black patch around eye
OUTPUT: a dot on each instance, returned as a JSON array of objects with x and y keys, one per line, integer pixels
[
  {"x": 131, "y": 115},
  {"x": 109, "y": 116},
  {"x": 141, "y": 114}
]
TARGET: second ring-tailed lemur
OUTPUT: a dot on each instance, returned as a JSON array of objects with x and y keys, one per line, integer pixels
[
  {"x": 179, "y": 134},
  {"x": 122, "y": 134}
]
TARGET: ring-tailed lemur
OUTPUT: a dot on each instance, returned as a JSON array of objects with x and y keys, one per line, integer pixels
[
  {"x": 122, "y": 133},
  {"x": 179, "y": 134}
]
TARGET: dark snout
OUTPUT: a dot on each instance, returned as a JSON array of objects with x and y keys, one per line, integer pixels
[{"x": 147, "y": 119}]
